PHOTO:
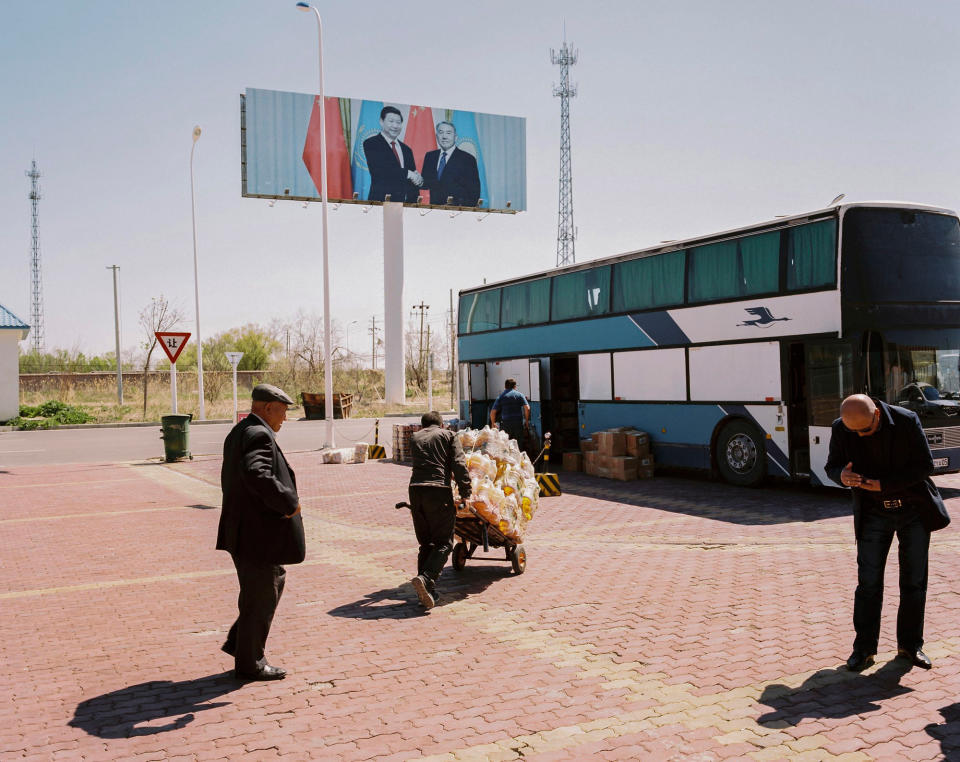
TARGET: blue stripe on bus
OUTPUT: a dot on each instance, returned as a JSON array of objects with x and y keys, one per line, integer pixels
[
  {"x": 661, "y": 328},
  {"x": 619, "y": 332}
]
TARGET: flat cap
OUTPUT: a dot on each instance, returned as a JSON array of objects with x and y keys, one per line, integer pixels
[{"x": 270, "y": 393}]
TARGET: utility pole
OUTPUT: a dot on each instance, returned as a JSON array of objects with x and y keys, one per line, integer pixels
[
  {"x": 566, "y": 233},
  {"x": 36, "y": 306},
  {"x": 453, "y": 357},
  {"x": 116, "y": 326},
  {"x": 373, "y": 338},
  {"x": 423, "y": 309}
]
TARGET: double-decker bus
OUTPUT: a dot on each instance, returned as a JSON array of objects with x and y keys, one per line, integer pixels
[{"x": 734, "y": 350}]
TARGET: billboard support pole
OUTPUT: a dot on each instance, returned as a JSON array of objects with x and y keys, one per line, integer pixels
[{"x": 393, "y": 302}]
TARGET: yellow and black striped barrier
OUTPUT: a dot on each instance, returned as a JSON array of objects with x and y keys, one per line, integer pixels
[
  {"x": 376, "y": 450},
  {"x": 549, "y": 485}
]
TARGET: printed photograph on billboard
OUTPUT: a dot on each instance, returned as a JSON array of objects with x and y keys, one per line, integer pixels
[{"x": 380, "y": 151}]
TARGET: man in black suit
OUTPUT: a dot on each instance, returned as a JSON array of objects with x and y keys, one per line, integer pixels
[
  {"x": 393, "y": 171},
  {"x": 881, "y": 453},
  {"x": 450, "y": 173},
  {"x": 260, "y": 526}
]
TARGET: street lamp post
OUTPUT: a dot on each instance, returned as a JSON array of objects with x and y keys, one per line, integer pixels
[
  {"x": 327, "y": 358},
  {"x": 196, "y": 280}
]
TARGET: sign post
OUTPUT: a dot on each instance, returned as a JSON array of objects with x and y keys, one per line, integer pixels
[
  {"x": 234, "y": 358},
  {"x": 173, "y": 344}
]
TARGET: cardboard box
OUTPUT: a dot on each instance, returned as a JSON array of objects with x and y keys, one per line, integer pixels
[
  {"x": 645, "y": 472},
  {"x": 645, "y": 461},
  {"x": 623, "y": 468},
  {"x": 638, "y": 443},
  {"x": 573, "y": 461},
  {"x": 590, "y": 462},
  {"x": 588, "y": 445},
  {"x": 611, "y": 442}
]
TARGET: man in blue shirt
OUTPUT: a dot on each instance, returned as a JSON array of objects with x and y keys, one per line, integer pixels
[{"x": 513, "y": 411}]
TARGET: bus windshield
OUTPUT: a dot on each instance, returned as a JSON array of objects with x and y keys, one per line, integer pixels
[
  {"x": 923, "y": 367},
  {"x": 900, "y": 255}
]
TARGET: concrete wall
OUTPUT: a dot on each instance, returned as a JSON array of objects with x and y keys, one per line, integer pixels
[{"x": 9, "y": 374}]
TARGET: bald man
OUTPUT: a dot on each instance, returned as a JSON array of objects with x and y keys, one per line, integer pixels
[{"x": 880, "y": 452}]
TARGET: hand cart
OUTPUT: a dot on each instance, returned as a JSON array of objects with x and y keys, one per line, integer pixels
[{"x": 473, "y": 531}]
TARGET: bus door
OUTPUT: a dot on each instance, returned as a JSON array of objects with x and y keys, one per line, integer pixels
[
  {"x": 564, "y": 421},
  {"x": 830, "y": 378},
  {"x": 798, "y": 423},
  {"x": 478, "y": 395}
]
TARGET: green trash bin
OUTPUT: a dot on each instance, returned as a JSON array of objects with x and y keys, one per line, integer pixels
[{"x": 176, "y": 436}]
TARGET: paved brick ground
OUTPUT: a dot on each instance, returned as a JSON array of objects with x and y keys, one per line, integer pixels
[{"x": 665, "y": 620}]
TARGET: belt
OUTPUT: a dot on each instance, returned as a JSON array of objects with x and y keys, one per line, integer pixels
[{"x": 890, "y": 504}]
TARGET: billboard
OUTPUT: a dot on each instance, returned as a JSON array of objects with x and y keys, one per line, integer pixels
[{"x": 379, "y": 151}]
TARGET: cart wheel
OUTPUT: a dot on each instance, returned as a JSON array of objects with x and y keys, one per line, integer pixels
[
  {"x": 518, "y": 558},
  {"x": 459, "y": 556}
]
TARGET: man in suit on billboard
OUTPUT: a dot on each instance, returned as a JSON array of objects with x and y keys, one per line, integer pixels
[
  {"x": 260, "y": 526},
  {"x": 450, "y": 173},
  {"x": 393, "y": 171}
]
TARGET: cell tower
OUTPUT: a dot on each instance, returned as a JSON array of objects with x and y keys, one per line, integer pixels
[
  {"x": 566, "y": 233},
  {"x": 36, "y": 308}
]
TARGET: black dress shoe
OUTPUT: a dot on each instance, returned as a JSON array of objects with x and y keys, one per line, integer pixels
[
  {"x": 859, "y": 661},
  {"x": 918, "y": 658},
  {"x": 266, "y": 672}
]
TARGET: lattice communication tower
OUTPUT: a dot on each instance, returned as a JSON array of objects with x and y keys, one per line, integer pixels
[
  {"x": 566, "y": 233},
  {"x": 36, "y": 305}
]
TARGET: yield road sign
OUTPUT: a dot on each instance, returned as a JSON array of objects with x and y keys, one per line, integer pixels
[
  {"x": 172, "y": 343},
  {"x": 234, "y": 357}
]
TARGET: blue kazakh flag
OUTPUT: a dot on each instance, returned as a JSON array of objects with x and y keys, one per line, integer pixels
[
  {"x": 468, "y": 139},
  {"x": 367, "y": 126}
]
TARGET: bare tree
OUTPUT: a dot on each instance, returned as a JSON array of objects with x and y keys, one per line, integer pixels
[{"x": 161, "y": 316}]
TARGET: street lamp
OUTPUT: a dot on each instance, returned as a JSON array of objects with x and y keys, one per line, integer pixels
[
  {"x": 116, "y": 326},
  {"x": 349, "y": 326},
  {"x": 327, "y": 355},
  {"x": 196, "y": 280}
]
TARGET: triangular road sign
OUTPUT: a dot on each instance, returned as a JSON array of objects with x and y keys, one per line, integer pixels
[{"x": 172, "y": 343}]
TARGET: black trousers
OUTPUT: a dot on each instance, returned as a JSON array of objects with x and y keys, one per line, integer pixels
[
  {"x": 514, "y": 429},
  {"x": 434, "y": 515},
  {"x": 877, "y": 528},
  {"x": 261, "y": 585}
]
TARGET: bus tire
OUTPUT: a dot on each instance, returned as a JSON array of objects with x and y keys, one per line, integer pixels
[{"x": 741, "y": 454}]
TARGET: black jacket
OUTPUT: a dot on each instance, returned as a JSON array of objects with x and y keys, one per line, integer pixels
[
  {"x": 387, "y": 177},
  {"x": 460, "y": 179},
  {"x": 259, "y": 494},
  {"x": 903, "y": 464},
  {"x": 437, "y": 455}
]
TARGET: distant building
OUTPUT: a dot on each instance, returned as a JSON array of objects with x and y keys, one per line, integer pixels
[{"x": 12, "y": 331}]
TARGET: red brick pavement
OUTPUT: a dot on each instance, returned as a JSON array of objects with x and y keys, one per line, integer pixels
[{"x": 668, "y": 619}]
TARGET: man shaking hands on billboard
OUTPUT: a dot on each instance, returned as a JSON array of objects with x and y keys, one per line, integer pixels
[
  {"x": 450, "y": 173},
  {"x": 393, "y": 171}
]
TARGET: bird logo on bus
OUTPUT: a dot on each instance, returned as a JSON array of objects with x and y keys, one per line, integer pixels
[{"x": 764, "y": 318}]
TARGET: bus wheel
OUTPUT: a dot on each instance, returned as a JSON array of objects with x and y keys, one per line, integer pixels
[{"x": 741, "y": 454}]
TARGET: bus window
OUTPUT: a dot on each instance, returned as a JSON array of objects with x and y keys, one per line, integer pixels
[
  {"x": 480, "y": 311},
  {"x": 581, "y": 294},
  {"x": 733, "y": 269},
  {"x": 642, "y": 284},
  {"x": 812, "y": 255},
  {"x": 526, "y": 303}
]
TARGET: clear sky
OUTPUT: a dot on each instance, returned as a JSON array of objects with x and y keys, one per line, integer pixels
[{"x": 691, "y": 117}]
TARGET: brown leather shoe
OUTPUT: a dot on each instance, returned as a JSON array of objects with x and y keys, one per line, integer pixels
[
  {"x": 266, "y": 672},
  {"x": 918, "y": 658}
]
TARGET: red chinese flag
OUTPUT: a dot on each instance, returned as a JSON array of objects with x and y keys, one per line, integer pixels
[
  {"x": 339, "y": 184},
  {"x": 421, "y": 136}
]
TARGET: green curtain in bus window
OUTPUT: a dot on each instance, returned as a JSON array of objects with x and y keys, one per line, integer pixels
[
  {"x": 812, "y": 255},
  {"x": 581, "y": 294},
  {"x": 649, "y": 282},
  {"x": 760, "y": 259},
  {"x": 480, "y": 312},
  {"x": 526, "y": 303},
  {"x": 714, "y": 272}
]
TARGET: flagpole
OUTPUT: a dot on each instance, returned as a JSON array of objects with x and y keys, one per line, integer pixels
[{"x": 327, "y": 355}]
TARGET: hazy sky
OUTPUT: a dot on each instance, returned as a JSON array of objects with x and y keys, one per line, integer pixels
[{"x": 691, "y": 117}]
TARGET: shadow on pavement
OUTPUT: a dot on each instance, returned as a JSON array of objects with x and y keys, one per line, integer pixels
[
  {"x": 202, "y": 507},
  {"x": 149, "y": 708},
  {"x": 833, "y": 693},
  {"x": 947, "y": 732},
  {"x": 948, "y": 492},
  {"x": 401, "y": 602},
  {"x": 695, "y": 495}
]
